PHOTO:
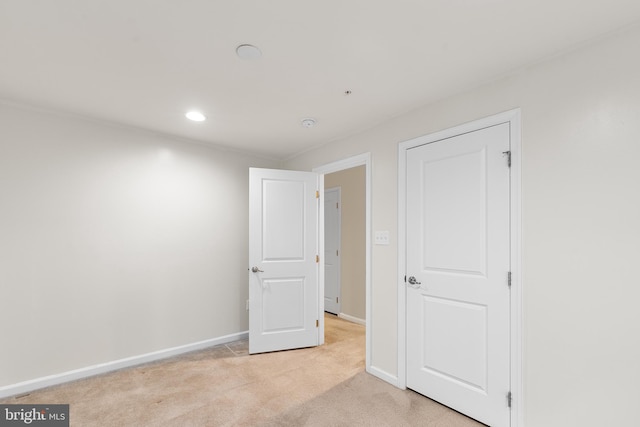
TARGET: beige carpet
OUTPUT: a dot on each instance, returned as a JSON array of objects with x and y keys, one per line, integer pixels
[
  {"x": 364, "y": 400},
  {"x": 224, "y": 386}
]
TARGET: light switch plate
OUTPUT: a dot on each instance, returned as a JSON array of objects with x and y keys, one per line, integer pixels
[{"x": 381, "y": 237}]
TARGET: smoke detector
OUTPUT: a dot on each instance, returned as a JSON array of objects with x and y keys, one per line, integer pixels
[{"x": 308, "y": 122}]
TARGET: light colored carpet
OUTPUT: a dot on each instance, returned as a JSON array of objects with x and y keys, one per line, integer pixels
[
  {"x": 225, "y": 386},
  {"x": 365, "y": 400}
]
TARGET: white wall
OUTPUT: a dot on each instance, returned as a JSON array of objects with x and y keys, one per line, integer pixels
[
  {"x": 114, "y": 243},
  {"x": 581, "y": 228}
]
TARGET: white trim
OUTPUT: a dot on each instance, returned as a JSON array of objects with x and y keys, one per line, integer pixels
[
  {"x": 517, "y": 324},
  {"x": 353, "y": 319},
  {"x": 348, "y": 163},
  {"x": 383, "y": 375},
  {"x": 89, "y": 371},
  {"x": 320, "y": 265},
  {"x": 513, "y": 117},
  {"x": 402, "y": 245}
]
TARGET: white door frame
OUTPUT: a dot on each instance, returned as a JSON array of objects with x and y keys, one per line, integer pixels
[
  {"x": 337, "y": 166},
  {"x": 513, "y": 118}
]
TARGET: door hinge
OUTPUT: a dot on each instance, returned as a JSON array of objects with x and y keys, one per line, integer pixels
[
  {"x": 508, "y": 154},
  {"x": 336, "y": 252},
  {"x": 317, "y": 194},
  {"x": 405, "y": 278},
  {"x": 509, "y": 279},
  {"x": 317, "y": 258},
  {"x": 509, "y": 398},
  {"x": 317, "y": 323},
  {"x": 336, "y": 300}
]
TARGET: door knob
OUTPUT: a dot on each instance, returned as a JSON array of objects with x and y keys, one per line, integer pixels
[
  {"x": 256, "y": 270},
  {"x": 413, "y": 282}
]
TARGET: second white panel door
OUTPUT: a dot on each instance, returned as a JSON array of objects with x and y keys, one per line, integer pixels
[{"x": 458, "y": 262}]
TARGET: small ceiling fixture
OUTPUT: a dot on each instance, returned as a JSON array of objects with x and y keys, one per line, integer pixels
[
  {"x": 308, "y": 122},
  {"x": 196, "y": 116},
  {"x": 248, "y": 51}
]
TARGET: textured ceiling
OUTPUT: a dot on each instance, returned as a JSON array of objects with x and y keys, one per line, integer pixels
[{"x": 146, "y": 62}]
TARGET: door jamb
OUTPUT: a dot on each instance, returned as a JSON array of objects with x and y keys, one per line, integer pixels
[
  {"x": 513, "y": 117},
  {"x": 363, "y": 159}
]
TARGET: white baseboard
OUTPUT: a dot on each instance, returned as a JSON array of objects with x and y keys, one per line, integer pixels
[
  {"x": 352, "y": 319},
  {"x": 89, "y": 371},
  {"x": 383, "y": 375}
]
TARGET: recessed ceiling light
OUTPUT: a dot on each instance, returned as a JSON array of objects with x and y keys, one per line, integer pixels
[
  {"x": 308, "y": 122},
  {"x": 248, "y": 51},
  {"x": 196, "y": 116}
]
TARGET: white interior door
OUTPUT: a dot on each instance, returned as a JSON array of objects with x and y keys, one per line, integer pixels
[
  {"x": 458, "y": 320},
  {"x": 332, "y": 250},
  {"x": 284, "y": 252}
]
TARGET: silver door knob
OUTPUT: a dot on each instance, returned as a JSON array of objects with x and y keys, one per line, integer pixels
[
  {"x": 256, "y": 270},
  {"x": 413, "y": 282}
]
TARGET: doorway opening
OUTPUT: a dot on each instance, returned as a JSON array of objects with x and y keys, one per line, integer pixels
[
  {"x": 345, "y": 262},
  {"x": 354, "y": 172}
]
